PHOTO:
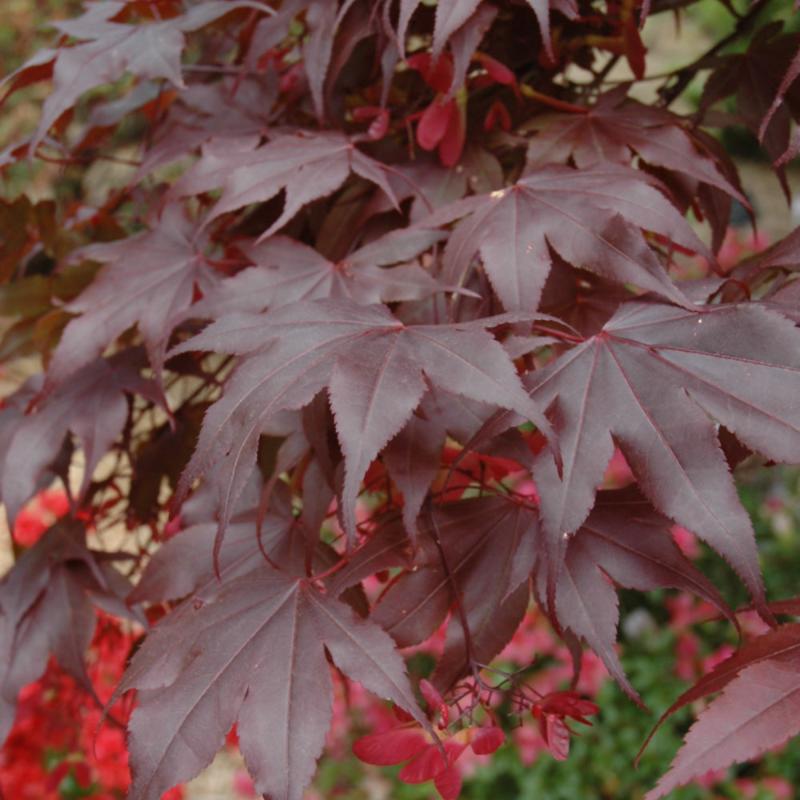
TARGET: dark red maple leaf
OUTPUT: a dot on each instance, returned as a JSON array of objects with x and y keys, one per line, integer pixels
[
  {"x": 781, "y": 644},
  {"x": 453, "y": 14},
  {"x": 198, "y": 676},
  {"x": 489, "y": 545},
  {"x": 413, "y": 459},
  {"x": 374, "y": 367},
  {"x": 592, "y": 218},
  {"x": 308, "y": 123},
  {"x": 236, "y": 108},
  {"x": 184, "y": 565},
  {"x": 759, "y": 709},
  {"x": 286, "y": 271},
  {"x": 614, "y": 128},
  {"x": 150, "y": 280},
  {"x": 652, "y": 381},
  {"x": 304, "y": 165},
  {"x": 109, "y": 49},
  {"x": 756, "y": 79},
  {"x": 784, "y": 255},
  {"x": 92, "y": 407},
  {"x": 386, "y": 548},
  {"x": 626, "y": 542}
]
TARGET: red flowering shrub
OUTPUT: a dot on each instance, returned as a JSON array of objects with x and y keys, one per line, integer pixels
[
  {"x": 45, "y": 508},
  {"x": 61, "y": 745}
]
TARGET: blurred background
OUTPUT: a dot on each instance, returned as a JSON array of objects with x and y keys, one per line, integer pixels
[{"x": 667, "y": 640}]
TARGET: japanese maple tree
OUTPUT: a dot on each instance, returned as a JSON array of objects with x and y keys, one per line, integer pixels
[{"x": 366, "y": 269}]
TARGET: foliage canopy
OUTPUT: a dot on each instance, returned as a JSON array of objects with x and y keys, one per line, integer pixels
[{"x": 367, "y": 267}]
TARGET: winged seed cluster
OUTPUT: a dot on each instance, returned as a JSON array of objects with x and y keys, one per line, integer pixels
[{"x": 363, "y": 269}]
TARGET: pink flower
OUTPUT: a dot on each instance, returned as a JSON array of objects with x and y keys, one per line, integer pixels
[
  {"x": 686, "y": 654},
  {"x": 723, "y": 653},
  {"x": 618, "y": 473},
  {"x": 686, "y": 541},
  {"x": 529, "y": 743}
]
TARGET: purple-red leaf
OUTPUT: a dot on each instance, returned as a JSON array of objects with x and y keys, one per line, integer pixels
[
  {"x": 451, "y": 15},
  {"x": 624, "y": 540},
  {"x": 387, "y": 547},
  {"x": 198, "y": 676},
  {"x": 111, "y": 49},
  {"x": 376, "y": 371},
  {"x": 149, "y": 282},
  {"x": 653, "y": 380},
  {"x": 489, "y": 546},
  {"x": 757, "y": 711},
  {"x": 593, "y": 219},
  {"x": 92, "y": 406},
  {"x": 46, "y": 609},
  {"x": 413, "y": 459},
  {"x": 756, "y": 77},
  {"x": 779, "y": 644},
  {"x": 184, "y": 564},
  {"x": 286, "y": 271},
  {"x": 615, "y": 128},
  {"x": 306, "y": 166}
]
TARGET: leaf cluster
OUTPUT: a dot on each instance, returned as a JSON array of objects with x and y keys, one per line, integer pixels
[{"x": 367, "y": 270}]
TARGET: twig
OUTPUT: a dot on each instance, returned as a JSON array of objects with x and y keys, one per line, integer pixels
[
  {"x": 685, "y": 74},
  {"x": 462, "y": 616}
]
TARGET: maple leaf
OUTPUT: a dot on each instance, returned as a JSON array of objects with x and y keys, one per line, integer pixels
[
  {"x": 91, "y": 406},
  {"x": 46, "y": 609},
  {"x": 286, "y": 271},
  {"x": 324, "y": 21},
  {"x": 306, "y": 166},
  {"x": 465, "y": 42},
  {"x": 782, "y": 255},
  {"x": 617, "y": 126},
  {"x": 652, "y": 381},
  {"x": 453, "y": 14},
  {"x": 197, "y": 678},
  {"x": 625, "y": 540},
  {"x": 374, "y": 367},
  {"x": 779, "y": 644},
  {"x": 162, "y": 458},
  {"x": 592, "y": 218},
  {"x": 386, "y": 548},
  {"x": 302, "y": 120},
  {"x": 550, "y": 711},
  {"x": 756, "y": 78},
  {"x": 111, "y": 49},
  {"x": 413, "y": 459},
  {"x": 581, "y": 299},
  {"x": 489, "y": 546},
  {"x": 757, "y": 711},
  {"x": 426, "y": 759},
  {"x": 184, "y": 564},
  {"x": 150, "y": 280},
  {"x": 235, "y": 108}
]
